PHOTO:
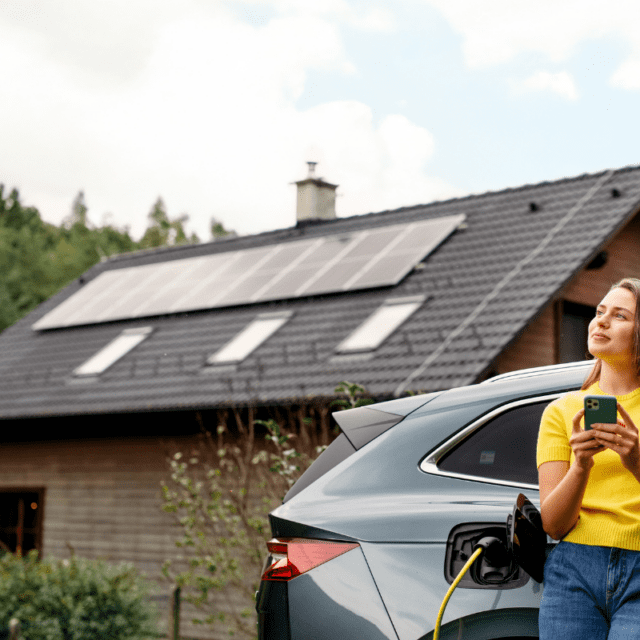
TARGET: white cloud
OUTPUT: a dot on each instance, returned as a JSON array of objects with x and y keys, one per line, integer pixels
[
  {"x": 378, "y": 166},
  {"x": 363, "y": 15},
  {"x": 627, "y": 76},
  {"x": 560, "y": 83},
  {"x": 207, "y": 120},
  {"x": 496, "y": 31}
]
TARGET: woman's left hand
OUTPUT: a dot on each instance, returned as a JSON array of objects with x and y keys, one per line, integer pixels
[{"x": 623, "y": 439}]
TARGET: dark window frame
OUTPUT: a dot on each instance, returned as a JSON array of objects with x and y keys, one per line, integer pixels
[{"x": 17, "y": 527}]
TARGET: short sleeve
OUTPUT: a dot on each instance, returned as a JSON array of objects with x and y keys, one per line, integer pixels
[{"x": 553, "y": 441}]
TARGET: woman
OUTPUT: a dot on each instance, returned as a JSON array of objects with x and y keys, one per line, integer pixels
[{"x": 590, "y": 488}]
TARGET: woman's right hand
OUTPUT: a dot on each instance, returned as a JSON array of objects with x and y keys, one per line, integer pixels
[{"x": 583, "y": 443}]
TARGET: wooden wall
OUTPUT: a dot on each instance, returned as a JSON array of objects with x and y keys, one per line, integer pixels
[
  {"x": 537, "y": 345},
  {"x": 103, "y": 500},
  {"x": 623, "y": 260}
]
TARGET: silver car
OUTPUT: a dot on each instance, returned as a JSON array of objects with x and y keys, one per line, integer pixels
[{"x": 367, "y": 542}]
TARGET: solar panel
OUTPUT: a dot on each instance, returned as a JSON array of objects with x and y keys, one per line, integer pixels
[{"x": 347, "y": 262}]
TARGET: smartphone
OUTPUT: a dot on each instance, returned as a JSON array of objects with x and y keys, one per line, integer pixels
[{"x": 600, "y": 409}]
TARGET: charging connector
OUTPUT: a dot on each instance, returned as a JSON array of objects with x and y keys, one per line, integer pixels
[
  {"x": 495, "y": 556},
  {"x": 495, "y": 552},
  {"x": 497, "y": 565}
]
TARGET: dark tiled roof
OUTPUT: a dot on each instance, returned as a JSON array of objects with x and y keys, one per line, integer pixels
[{"x": 484, "y": 285}]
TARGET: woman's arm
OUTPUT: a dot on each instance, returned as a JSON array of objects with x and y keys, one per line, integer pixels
[
  {"x": 561, "y": 491},
  {"x": 562, "y": 486}
]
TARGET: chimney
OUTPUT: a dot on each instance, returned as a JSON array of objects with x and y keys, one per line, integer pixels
[{"x": 316, "y": 198}]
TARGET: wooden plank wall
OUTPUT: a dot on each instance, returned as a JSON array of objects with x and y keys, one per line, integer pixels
[
  {"x": 536, "y": 346},
  {"x": 103, "y": 500},
  {"x": 623, "y": 252}
]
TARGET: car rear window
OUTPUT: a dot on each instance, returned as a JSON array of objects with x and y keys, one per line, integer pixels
[
  {"x": 502, "y": 449},
  {"x": 340, "y": 449}
]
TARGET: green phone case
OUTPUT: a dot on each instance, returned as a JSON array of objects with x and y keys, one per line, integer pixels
[{"x": 600, "y": 409}]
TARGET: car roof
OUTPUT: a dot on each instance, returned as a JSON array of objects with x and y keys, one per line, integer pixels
[{"x": 582, "y": 368}]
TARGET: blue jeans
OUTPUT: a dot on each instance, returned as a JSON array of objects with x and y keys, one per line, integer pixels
[{"x": 590, "y": 593}]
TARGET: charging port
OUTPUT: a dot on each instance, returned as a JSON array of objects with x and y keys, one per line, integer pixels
[{"x": 495, "y": 569}]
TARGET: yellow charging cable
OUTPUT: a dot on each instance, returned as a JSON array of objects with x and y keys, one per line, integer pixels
[{"x": 454, "y": 584}]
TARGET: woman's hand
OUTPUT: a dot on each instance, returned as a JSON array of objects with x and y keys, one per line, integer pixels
[
  {"x": 621, "y": 438},
  {"x": 585, "y": 443}
]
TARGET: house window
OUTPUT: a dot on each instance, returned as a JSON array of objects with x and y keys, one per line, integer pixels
[
  {"x": 380, "y": 324},
  {"x": 573, "y": 331},
  {"x": 250, "y": 338},
  {"x": 112, "y": 352},
  {"x": 21, "y": 515}
]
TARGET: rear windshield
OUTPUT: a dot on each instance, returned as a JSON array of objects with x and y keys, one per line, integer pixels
[{"x": 340, "y": 449}]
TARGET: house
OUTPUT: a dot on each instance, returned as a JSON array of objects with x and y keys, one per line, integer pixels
[{"x": 96, "y": 381}]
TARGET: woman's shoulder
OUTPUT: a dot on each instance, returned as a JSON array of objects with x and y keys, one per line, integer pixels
[{"x": 571, "y": 401}]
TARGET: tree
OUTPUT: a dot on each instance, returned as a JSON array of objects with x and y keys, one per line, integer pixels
[
  {"x": 165, "y": 232},
  {"x": 37, "y": 259},
  {"x": 26, "y": 248},
  {"x": 78, "y": 215},
  {"x": 218, "y": 230}
]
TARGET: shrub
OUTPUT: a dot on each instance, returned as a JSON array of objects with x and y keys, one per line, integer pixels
[
  {"x": 75, "y": 599},
  {"x": 220, "y": 498}
]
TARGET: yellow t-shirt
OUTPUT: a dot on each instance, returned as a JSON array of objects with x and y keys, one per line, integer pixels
[{"x": 610, "y": 512}]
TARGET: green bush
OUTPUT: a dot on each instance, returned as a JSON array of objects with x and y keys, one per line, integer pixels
[{"x": 75, "y": 599}]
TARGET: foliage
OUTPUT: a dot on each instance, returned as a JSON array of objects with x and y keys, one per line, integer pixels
[
  {"x": 165, "y": 232},
  {"x": 220, "y": 499},
  {"x": 356, "y": 396},
  {"x": 76, "y": 599},
  {"x": 218, "y": 230},
  {"x": 37, "y": 259}
]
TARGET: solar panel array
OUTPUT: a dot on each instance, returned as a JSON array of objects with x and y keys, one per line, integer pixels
[{"x": 329, "y": 264}]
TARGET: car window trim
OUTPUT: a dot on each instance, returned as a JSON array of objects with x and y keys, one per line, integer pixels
[{"x": 429, "y": 464}]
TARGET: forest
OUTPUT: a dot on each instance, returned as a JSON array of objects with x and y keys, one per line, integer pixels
[{"x": 37, "y": 258}]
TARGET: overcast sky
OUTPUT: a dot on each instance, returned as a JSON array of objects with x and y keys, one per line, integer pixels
[{"x": 216, "y": 105}]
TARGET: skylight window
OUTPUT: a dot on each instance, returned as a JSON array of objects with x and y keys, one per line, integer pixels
[
  {"x": 380, "y": 324},
  {"x": 250, "y": 338},
  {"x": 111, "y": 353}
]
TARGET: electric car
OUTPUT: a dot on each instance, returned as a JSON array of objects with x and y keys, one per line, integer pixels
[{"x": 368, "y": 541}]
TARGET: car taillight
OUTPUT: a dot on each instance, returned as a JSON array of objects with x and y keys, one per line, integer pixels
[{"x": 291, "y": 557}]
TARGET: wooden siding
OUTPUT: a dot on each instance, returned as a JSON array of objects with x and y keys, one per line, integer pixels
[
  {"x": 103, "y": 500},
  {"x": 623, "y": 260},
  {"x": 534, "y": 348},
  {"x": 537, "y": 345}
]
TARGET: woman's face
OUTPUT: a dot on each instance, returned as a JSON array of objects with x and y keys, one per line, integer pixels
[{"x": 611, "y": 331}]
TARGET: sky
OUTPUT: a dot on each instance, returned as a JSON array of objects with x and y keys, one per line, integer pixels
[{"x": 217, "y": 105}]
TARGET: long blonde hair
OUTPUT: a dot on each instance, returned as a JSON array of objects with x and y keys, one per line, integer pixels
[{"x": 633, "y": 285}]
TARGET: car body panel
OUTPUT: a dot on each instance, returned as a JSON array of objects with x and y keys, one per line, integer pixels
[
  {"x": 392, "y": 499},
  {"x": 346, "y": 602},
  {"x": 413, "y": 591},
  {"x": 511, "y": 624}
]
